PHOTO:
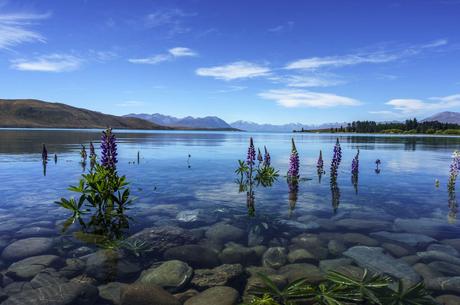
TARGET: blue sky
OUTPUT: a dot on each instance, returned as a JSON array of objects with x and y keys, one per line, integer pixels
[{"x": 263, "y": 61}]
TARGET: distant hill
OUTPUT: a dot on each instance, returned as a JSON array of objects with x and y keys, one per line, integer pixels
[
  {"x": 209, "y": 122},
  {"x": 30, "y": 113},
  {"x": 445, "y": 117},
  {"x": 251, "y": 126}
]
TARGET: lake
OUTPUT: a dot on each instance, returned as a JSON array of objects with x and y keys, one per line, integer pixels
[{"x": 188, "y": 207}]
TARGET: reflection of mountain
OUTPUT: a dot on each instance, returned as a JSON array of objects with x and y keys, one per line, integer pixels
[
  {"x": 210, "y": 122},
  {"x": 61, "y": 141},
  {"x": 39, "y": 114}
]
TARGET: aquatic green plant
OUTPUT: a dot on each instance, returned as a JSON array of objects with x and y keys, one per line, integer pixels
[
  {"x": 266, "y": 299},
  {"x": 368, "y": 285},
  {"x": 73, "y": 205},
  {"x": 251, "y": 176},
  {"x": 136, "y": 247},
  {"x": 341, "y": 289}
]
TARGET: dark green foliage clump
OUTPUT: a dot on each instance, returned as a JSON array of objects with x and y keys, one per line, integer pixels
[{"x": 341, "y": 289}]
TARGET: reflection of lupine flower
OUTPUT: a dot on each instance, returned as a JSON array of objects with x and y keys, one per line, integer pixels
[
  {"x": 108, "y": 149},
  {"x": 355, "y": 164},
  {"x": 259, "y": 156},
  {"x": 267, "y": 158},
  {"x": 320, "y": 163},
  {"x": 454, "y": 170},
  {"x": 83, "y": 153},
  {"x": 44, "y": 153},
  {"x": 251, "y": 153},
  {"x": 92, "y": 151}
]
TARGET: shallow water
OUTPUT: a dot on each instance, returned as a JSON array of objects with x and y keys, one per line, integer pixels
[{"x": 402, "y": 197}]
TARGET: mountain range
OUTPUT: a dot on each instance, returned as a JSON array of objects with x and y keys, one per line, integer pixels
[
  {"x": 217, "y": 123},
  {"x": 445, "y": 117},
  {"x": 188, "y": 122},
  {"x": 29, "y": 113}
]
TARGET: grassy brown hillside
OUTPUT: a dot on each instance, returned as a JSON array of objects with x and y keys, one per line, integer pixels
[{"x": 30, "y": 113}]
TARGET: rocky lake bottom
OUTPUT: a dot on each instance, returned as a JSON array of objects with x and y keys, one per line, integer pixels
[{"x": 208, "y": 256}]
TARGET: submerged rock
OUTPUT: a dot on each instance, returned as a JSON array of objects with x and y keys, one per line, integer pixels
[
  {"x": 61, "y": 294},
  {"x": 223, "y": 275},
  {"x": 375, "y": 260},
  {"x": 363, "y": 224},
  {"x": 238, "y": 254},
  {"x": 428, "y": 226},
  {"x": 359, "y": 239},
  {"x": 35, "y": 231},
  {"x": 448, "y": 299},
  {"x": 297, "y": 271},
  {"x": 111, "y": 292},
  {"x": 443, "y": 248},
  {"x": 162, "y": 238},
  {"x": 107, "y": 264},
  {"x": 223, "y": 232},
  {"x": 171, "y": 275},
  {"x": 446, "y": 268},
  {"x": 274, "y": 257},
  {"x": 301, "y": 256},
  {"x": 31, "y": 266},
  {"x": 146, "y": 294},
  {"x": 332, "y": 264},
  {"x": 298, "y": 226},
  {"x": 195, "y": 217},
  {"x": 27, "y": 247},
  {"x": 429, "y": 256},
  {"x": 220, "y": 295},
  {"x": 411, "y": 239},
  {"x": 196, "y": 256}
]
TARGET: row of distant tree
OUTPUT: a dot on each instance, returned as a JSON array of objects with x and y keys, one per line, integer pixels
[{"x": 409, "y": 126}]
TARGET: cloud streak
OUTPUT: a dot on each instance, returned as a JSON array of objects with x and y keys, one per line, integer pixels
[
  {"x": 171, "y": 55},
  {"x": 15, "y": 29},
  {"x": 293, "y": 98},
  {"x": 235, "y": 70},
  {"x": 405, "y": 107},
  {"x": 376, "y": 57},
  {"x": 48, "y": 63}
]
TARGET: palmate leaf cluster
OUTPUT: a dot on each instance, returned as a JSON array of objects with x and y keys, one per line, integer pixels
[
  {"x": 101, "y": 188},
  {"x": 264, "y": 175},
  {"x": 341, "y": 289}
]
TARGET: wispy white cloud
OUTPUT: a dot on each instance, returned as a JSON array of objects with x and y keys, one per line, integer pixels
[
  {"x": 15, "y": 29},
  {"x": 292, "y": 98},
  {"x": 171, "y": 55},
  {"x": 307, "y": 81},
  {"x": 48, "y": 63},
  {"x": 380, "y": 56},
  {"x": 235, "y": 70},
  {"x": 405, "y": 107},
  {"x": 282, "y": 27},
  {"x": 102, "y": 56},
  {"x": 181, "y": 51},
  {"x": 170, "y": 21}
]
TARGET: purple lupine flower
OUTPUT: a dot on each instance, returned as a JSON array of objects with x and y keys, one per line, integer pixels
[
  {"x": 355, "y": 164},
  {"x": 259, "y": 156},
  {"x": 44, "y": 153},
  {"x": 267, "y": 158},
  {"x": 454, "y": 170},
  {"x": 108, "y": 149},
  {"x": 251, "y": 154},
  {"x": 293, "y": 172},
  {"x": 320, "y": 163},
  {"x": 336, "y": 160}
]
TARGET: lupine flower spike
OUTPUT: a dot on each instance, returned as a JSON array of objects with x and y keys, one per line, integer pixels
[
  {"x": 355, "y": 172},
  {"x": 259, "y": 156},
  {"x": 267, "y": 158},
  {"x": 251, "y": 154},
  {"x": 108, "y": 149},
  {"x": 454, "y": 170},
  {"x": 293, "y": 172},
  {"x": 83, "y": 153},
  {"x": 336, "y": 160}
]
